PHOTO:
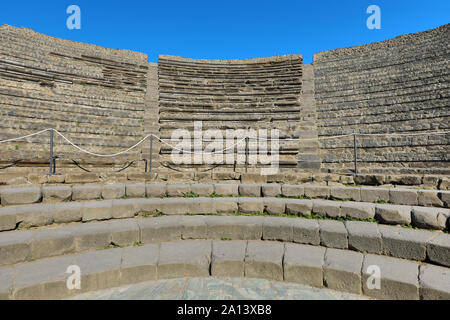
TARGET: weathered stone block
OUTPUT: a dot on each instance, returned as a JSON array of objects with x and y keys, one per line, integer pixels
[
  {"x": 98, "y": 210},
  {"x": 113, "y": 191},
  {"x": 288, "y": 190},
  {"x": 34, "y": 215},
  {"x": 264, "y": 260},
  {"x": 14, "y": 246},
  {"x": 304, "y": 264},
  {"x": 8, "y": 218},
  {"x": 86, "y": 192},
  {"x": 317, "y": 191},
  {"x": 434, "y": 282},
  {"x": 56, "y": 193},
  {"x": 178, "y": 190},
  {"x": 123, "y": 208},
  {"x": 403, "y": 196},
  {"x": 250, "y": 205},
  {"x": 326, "y": 208},
  {"x": 155, "y": 190},
  {"x": 188, "y": 258},
  {"x": 346, "y": 193},
  {"x": 194, "y": 227},
  {"x": 429, "y": 198},
  {"x": 358, "y": 210},
  {"x": 306, "y": 231},
  {"x": 250, "y": 190},
  {"x": 124, "y": 232},
  {"x": 227, "y": 189},
  {"x": 374, "y": 194},
  {"x": 429, "y": 218},
  {"x": 224, "y": 205},
  {"x": 364, "y": 237},
  {"x": 67, "y": 212},
  {"x": 342, "y": 270},
  {"x": 139, "y": 264},
  {"x": 271, "y": 190},
  {"x": 274, "y": 206},
  {"x": 82, "y": 178},
  {"x": 399, "y": 278},
  {"x": 405, "y": 243},
  {"x": 438, "y": 249},
  {"x": 160, "y": 229},
  {"x": 15, "y": 196},
  {"x": 52, "y": 242},
  {"x": 333, "y": 234},
  {"x": 251, "y": 178},
  {"x": 235, "y": 228},
  {"x": 392, "y": 214},
  {"x": 299, "y": 207},
  {"x": 276, "y": 228},
  {"x": 91, "y": 236},
  {"x": 228, "y": 258},
  {"x": 136, "y": 190},
  {"x": 202, "y": 190}
]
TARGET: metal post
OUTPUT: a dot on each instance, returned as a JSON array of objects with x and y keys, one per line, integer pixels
[
  {"x": 51, "y": 152},
  {"x": 151, "y": 154},
  {"x": 355, "y": 153},
  {"x": 246, "y": 155}
]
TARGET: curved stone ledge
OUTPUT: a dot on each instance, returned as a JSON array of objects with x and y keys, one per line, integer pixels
[
  {"x": 341, "y": 270},
  {"x": 419, "y": 245}
]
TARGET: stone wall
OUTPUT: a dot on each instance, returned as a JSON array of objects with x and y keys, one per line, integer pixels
[
  {"x": 93, "y": 95},
  {"x": 395, "y": 86},
  {"x": 262, "y": 93}
]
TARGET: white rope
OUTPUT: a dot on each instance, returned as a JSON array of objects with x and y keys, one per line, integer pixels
[
  {"x": 24, "y": 137},
  {"x": 219, "y": 151}
]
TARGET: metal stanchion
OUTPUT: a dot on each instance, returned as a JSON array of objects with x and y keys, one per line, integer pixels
[
  {"x": 151, "y": 154},
  {"x": 52, "y": 171},
  {"x": 246, "y": 155},
  {"x": 355, "y": 153}
]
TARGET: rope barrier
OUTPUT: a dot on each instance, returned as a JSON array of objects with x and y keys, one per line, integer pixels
[{"x": 219, "y": 151}]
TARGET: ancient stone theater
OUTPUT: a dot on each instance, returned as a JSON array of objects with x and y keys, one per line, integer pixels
[{"x": 331, "y": 175}]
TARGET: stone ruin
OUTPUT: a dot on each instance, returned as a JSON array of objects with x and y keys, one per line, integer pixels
[{"x": 106, "y": 100}]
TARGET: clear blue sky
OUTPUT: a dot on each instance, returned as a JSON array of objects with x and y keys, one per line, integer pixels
[{"x": 226, "y": 29}]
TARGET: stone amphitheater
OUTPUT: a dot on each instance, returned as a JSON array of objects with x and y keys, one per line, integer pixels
[{"x": 87, "y": 177}]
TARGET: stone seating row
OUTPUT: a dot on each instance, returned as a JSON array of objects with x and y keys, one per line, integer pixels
[{"x": 319, "y": 267}]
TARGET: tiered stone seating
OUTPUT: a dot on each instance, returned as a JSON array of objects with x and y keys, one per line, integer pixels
[
  {"x": 262, "y": 93},
  {"x": 94, "y": 96},
  {"x": 395, "y": 86}
]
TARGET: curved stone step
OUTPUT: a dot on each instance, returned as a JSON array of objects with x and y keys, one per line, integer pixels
[
  {"x": 341, "y": 270},
  {"x": 419, "y": 245}
]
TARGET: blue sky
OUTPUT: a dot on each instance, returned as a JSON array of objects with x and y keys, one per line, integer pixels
[{"x": 226, "y": 29}]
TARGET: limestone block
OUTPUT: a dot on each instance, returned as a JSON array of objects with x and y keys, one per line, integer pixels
[
  {"x": 124, "y": 208},
  {"x": 139, "y": 264},
  {"x": 6, "y": 282},
  {"x": 113, "y": 191},
  {"x": 405, "y": 243},
  {"x": 364, "y": 237},
  {"x": 429, "y": 198},
  {"x": 86, "y": 192},
  {"x": 403, "y": 196},
  {"x": 288, "y": 190},
  {"x": 82, "y": 178},
  {"x": 317, "y": 191},
  {"x": 8, "y": 218},
  {"x": 326, "y": 208},
  {"x": 97, "y": 210},
  {"x": 304, "y": 264},
  {"x": 14, "y": 246},
  {"x": 160, "y": 229},
  {"x": 274, "y": 206},
  {"x": 374, "y": 194},
  {"x": 333, "y": 234},
  {"x": 188, "y": 258},
  {"x": 276, "y": 228},
  {"x": 250, "y": 190},
  {"x": 15, "y": 196},
  {"x": 56, "y": 193},
  {"x": 392, "y": 214},
  {"x": 434, "y": 282},
  {"x": 52, "y": 242},
  {"x": 178, "y": 190},
  {"x": 299, "y": 207},
  {"x": 306, "y": 231},
  {"x": 252, "y": 178},
  {"x": 438, "y": 249},
  {"x": 203, "y": 190},
  {"x": 91, "y": 236},
  {"x": 251, "y": 205},
  {"x": 228, "y": 258},
  {"x": 227, "y": 189},
  {"x": 34, "y": 215},
  {"x": 358, "y": 210},
  {"x": 445, "y": 197},
  {"x": 194, "y": 227},
  {"x": 429, "y": 218},
  {"x": 124, "y": 232},
  {"x": 136, "y": 190},
  {"x": 225, "y": 205},
  {"x": 235, "y": 228},
  {"x": 399, "y": 278},
  {"x": 342, "y": 270},
  {"x": 67, "y": 212},
  {"x": 155, "y": 190},
  {"x": 271, "y": 190},
  {"x": 264, "y": 259},
  {"x": 346, "y": 193}
]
